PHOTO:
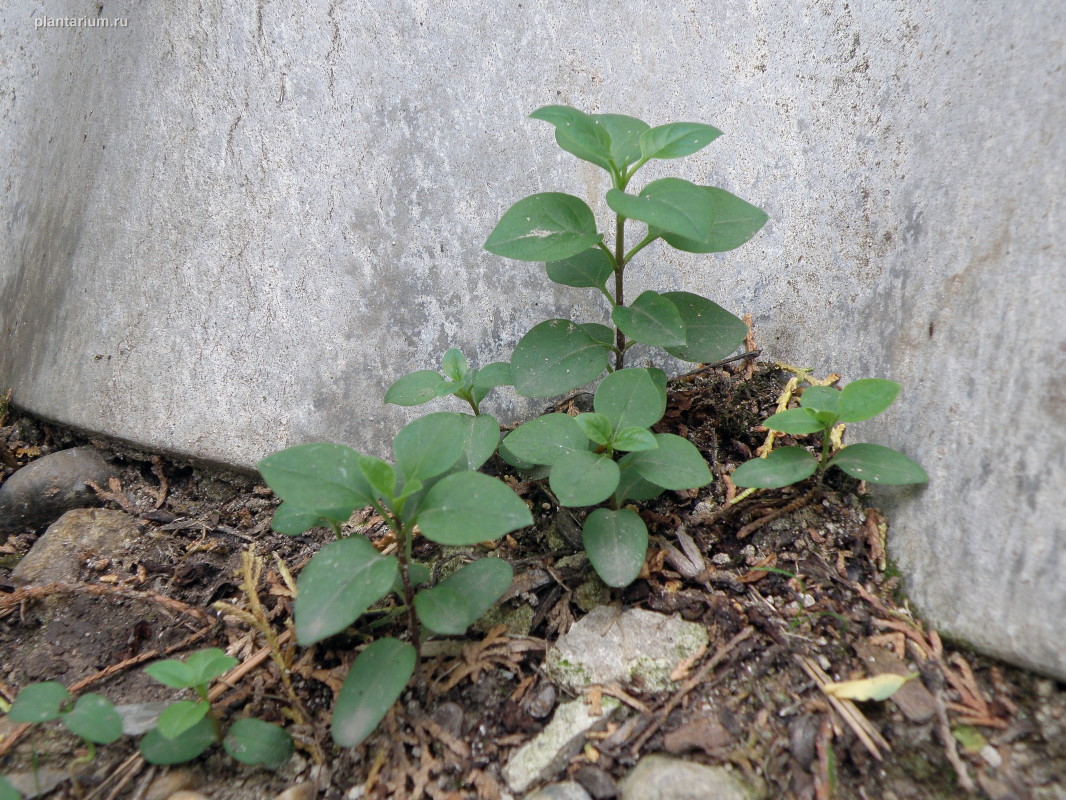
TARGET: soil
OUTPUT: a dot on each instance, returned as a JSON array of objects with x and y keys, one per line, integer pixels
[{"x": 792, "y": 585}]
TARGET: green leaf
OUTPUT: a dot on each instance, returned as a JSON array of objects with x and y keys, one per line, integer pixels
[
  {"x": 416, "y": 388},
  {"x": 732, "y": 223},
  {"x": 379, "y": 475},
  {"x": 253, "y": 741},
  {"x": 321, "y": 478},
  {"x": 711, "y": 332},
  {"x": 498, "y": 373},
  {"x": 157, "y": 749},
  {"x": 457, "y": 602},
  {"x": 631, "y": 486},
  {"x": 861, "y": 400},
  {"x": 582, "y": 478},
  {"x": 578, "y": 133},
  {"x": 782, "y": 467},
  {"x": 375, "y": 681},
  {"x": 469, "y": 507},
  {"x": 180, "y": 716},
  {"x": 595, "y": 426},
  {"x": 630, "y": 397},
  {"x": 877, "y": 464},
  {"x": 206, "y": 665},
  {"x": 616, "y": 543},
  {"x": 293, "y": 521},
  {"x": 454, "y": 364},
  {"x": 546, "y": 439},
  {"x": 430, "y": 445},
  {"x": 7, "y": 791},
  {"x": 625, "y": 133},
  {"x": 94, "y": 719},
  {"x": 677, "y": 139},
  {"x": 588, "y": 269},
  {"x": 651, "y": 319},
  {"x": 634, "y": 439},
  {"x": 671, "y": 205},
  {"x": 674, "y": 464},
  {"x": 601, "y": 334},
  {"x": 338, "y": 585},
  {"x": 172, "y": 673},
  {"x": 482, "y": 439},
  {"x": 820, "y": 399},
  {"x": 545, "y": 227},
  {"x": 796, "y": 421},
  {"x": 39, "y": 702},
  {"x": 555, "y": 357}
]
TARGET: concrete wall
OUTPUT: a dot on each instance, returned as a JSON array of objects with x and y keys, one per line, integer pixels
[{"x": 228, "y": 229}]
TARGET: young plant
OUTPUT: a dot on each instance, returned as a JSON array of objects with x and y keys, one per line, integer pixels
[
  {"x": 91, "y": 717},
  {"x": 434, "y": 486},
  {"x": 821, "y": 408},
  {"x": 559, "y": 229},
  {"x": 469, "y": 385},
  {"x": 610, "y": 454},
  {"x": 187, "y": 728}
]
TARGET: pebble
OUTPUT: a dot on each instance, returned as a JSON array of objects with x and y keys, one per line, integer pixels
[
  {"x": 597, "y": 782},
  {"x": 185, "y": 794},
  {"x": 39, "y": 493},
  {"x": 570, "y": 790},
  {"x": 666, "y": 778},
  {"x": 173, "y": 782},
  {"x": 57, "y": 556},
  {"x": 37, "y": 783},
  {"x": 298, "y": 791}
]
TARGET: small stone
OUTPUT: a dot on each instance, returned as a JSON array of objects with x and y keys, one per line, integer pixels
[
  {"x": 666, "y": 778},
  {"x": 543, "y": 701},
  {"x": 548, "y": 752},
  {"x": 36, "y": 783},
  {"x": 39, "y": 493},
  {"x": 702, "y": 733},
  {"x": 57, "y": 556},
  {"x": 450, "y": 717},
  {"x": 633, "y": 646},
  {"x": 591, "y": 593},
  {"x": 299, "y": 791},
  {"x": 597, "y": 782},
  {"x": 185, "y": 794},
  {"x": 991, "y": 756},
  {"x": 721, "y": 559},
  {"x": 560, "y": 791},
  {"x": 172, "y": 782}
]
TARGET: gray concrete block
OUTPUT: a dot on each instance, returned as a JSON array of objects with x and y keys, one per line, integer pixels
[{"x": 228, "y": 229}]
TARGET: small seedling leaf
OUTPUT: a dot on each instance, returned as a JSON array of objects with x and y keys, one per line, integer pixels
[
  {"x": 879, "y": 687},
  {"x": 711, "y": 332},
  {"x": 157, "y": 749},
  {"x": 545, "y": 227},
  {"x": 863, "y": 399},
  {"x": 625, "y": 133},
  {"x": 39, "y": 702},
  {"x": 630, "y": 397},
  {"x": 877, "y": 464},
  {"x": 555, "y": 357},
  {"x": 482, "y": 439},
  {"x": 172, "y": 673},
  {"x": 454, "y": 364},
  {"x": 583, "y": 478},
  {"x": 457, "y": 602},
  {"x": 595, "y": 426},
  {"x": 498, "y": 373},
  {"x": 430, "y": 445},
  {"x": 616, "y": 543},
  {"x": 674, "y": 464},
  {"x": 676, "y": 139},
  {"x": 733, "y": 222},
  {"x": 469, "y": 507},
  {"x": 321, "y": 478},
  {"x": 651, "y": 319},
  {"x": 206, "y": 665},
  {"x": 670, "y": 205},
  {"x": 795, "y": 421},
  {"x": 180, "y": 716},
  {"x": 578, "y": 133},
  {"x": 293, "y": 521},
  {"x": 634, "y": 439},
  {"x": 379, "y": 475},
  {"x": 784, "y": 466},
  {"x": 253, "y": 741},
  {"x": 338, "y": 585},
  {"x": 587, "y": 270},
  {"x": 416, "y": 388},
  {"x": 376, "y": 679},
  {"x": 821, "y": 399},
  {"x": 601, "y": 334},
  {"x": 94, "y": 719},
  {"x": 546, "y": 439}
]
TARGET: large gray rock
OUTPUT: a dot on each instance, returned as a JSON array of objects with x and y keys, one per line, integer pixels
[
  {"x": 40, "y": 492},
  {"x": 663, "y": 778},
  {"x": 236, "y": 224},
  {"x": 57, "y": 557}
]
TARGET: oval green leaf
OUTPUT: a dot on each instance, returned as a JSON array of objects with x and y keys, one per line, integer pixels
[
  {"x": 498, "y": 373},
  {"x": 457, "y": 602},
  {"x": 677, "y": 139},
  {"x": 669, "y": 204},
  {"x": 292, "y": 521},
  {"x": 416, "y": 388},
  {"x": 820, "y": 399},
  {"x": 601, "y": 334},
  {"x": 651, "y": 319},
  {"x": 674, "y": 464},
  {"x": 454, "y": 364},
  {"x": 375, "y": 681},
  {"x": 469, "y": 507},
  {"x": 555, "y": 357},
  {"x": 338, "y": 585},
  {"x": 578, "y": 133},
  {"x": 207, "y": 664},
  {"x": 587, "y": 270},
  {"x": 625, "y": 133},
  {"x": 321, "y": 478},
  {"x": 430, "y": 445},
  {"x": 732, "y": 222},
  {"x": 877, "y": 464},
  {"x": 616, "y": 543},
  {"x": 379, "y": 475},
  {"x": 39, "y": 702},
  {"x": 545, "y": 227},
  {"x": 866, "y": 398},
  {"x": 630, "y": 397},
  {"x": 595, "y": 426},
  {"x": 583, "y": 478},
  {"x": 180, "y": 716},
  {"x": 633, "y": 439},
  {"x": 157, "y": 749},
  {"x": 784, "y": 466},
  {"x": 482, "y": 439},
  {"x": 253, "y": 741},
  {"x": 95, "y": 719},
  {"x": 797, "y": 421},
  {"x": 711, "y": 332},
  {"x": 546, "y": 439}
]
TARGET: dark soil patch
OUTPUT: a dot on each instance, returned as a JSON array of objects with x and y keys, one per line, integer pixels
[{"x": 791, "y": 585}]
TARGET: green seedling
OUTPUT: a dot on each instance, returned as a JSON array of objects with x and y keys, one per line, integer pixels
[
  {"x": 435, "y": 486},
  {"x": 821, "y": 409},
  {"x": 91, "y": 717},
  {"x": 611, "y": 455},
  {"x": 560, "y": 230},
  {"x": 469, "y": 385},
  {"x": 187, "y": 728}
]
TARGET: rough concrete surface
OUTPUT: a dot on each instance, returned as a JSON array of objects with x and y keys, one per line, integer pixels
[{"x": 229, "y": 227}]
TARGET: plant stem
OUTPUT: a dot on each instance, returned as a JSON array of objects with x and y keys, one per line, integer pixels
[
  {"x": 201, "y": 692},
  {"x": 406, "y": 555},
  {"x": 619, "y": 286},
  {"x": 336, "y": 529}
]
